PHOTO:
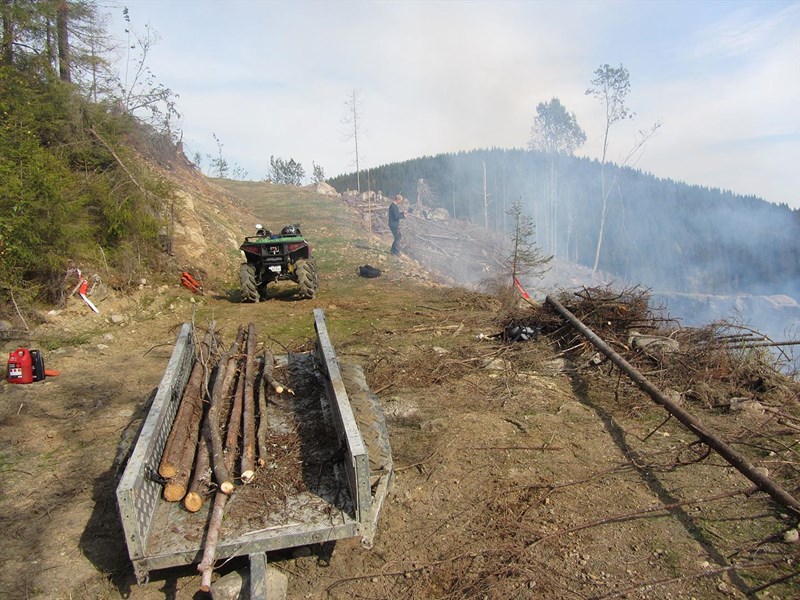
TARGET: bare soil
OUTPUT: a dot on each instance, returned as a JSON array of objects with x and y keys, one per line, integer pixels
[{"x": 520, "y": 472}]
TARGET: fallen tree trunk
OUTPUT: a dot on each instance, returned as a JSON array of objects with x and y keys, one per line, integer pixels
[
  {"x": 186, "y": 426},
  {"x": 212, "y": 430},
  {"x": 739, "y": 462},
  {"x": 248, "y": 409}
]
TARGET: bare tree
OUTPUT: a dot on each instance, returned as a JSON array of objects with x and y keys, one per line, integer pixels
[
  {"x": 611, "y": 86},
  {"x": 217, "y": 165},
  {"x": 352, "y": 123}
]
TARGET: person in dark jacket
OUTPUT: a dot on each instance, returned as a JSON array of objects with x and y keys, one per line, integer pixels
[{"x": 395, "y": 214}]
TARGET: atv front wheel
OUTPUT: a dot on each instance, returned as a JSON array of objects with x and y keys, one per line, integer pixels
[
  {"x": 247, "y": 278},
  {"x": 306, "y": 272}
]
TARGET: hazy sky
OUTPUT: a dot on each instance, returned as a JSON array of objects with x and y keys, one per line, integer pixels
[{"x": 272, "y": 78}]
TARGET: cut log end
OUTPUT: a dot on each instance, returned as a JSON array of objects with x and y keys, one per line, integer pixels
[
  {"x": 226, "y": 487},
  {"x": 167, "y": 470},
  {"x": 174, "y": 492},
  {"x": 247, "y": 476},
  {"x": 193, "y": 502}
]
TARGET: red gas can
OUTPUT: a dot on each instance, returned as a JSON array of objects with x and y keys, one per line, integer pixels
[{"x": 20, "y": 366}]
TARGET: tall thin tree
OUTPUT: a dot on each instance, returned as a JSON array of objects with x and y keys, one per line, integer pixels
[
  {"x": 556, "y": 133},
  {"x": 352, "y": 123},
  {"x": 611, "y": 86}
]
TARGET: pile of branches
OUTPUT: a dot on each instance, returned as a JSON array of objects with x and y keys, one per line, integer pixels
[
  {"x": 217, "y": 433},
  {"x": 711, "y": 364}
]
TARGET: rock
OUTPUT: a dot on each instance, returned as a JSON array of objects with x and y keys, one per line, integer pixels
[
  {"x": 100, "y": 292},
  {"x": 791, "y": 536},
  {"x": 496, "y": 364},
  {"x": 108, "y": 336},
  {"x": 5, "y": 329},
  {"x": 747, "y": 406},
  {"x": 117, "y": 319},
  {"x": 652, "y": 342},
  {"x": 236, "y": 585},
  {"x": 325, "y": 189},
  {"x": 439, "y": 350}
]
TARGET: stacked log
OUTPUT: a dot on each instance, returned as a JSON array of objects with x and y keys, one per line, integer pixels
[
  {"x": 179, "y": 452},
  {"x": 201, "y": 452}
]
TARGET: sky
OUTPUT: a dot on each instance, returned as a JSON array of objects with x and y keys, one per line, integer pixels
[{"x": 271, "y": 78}]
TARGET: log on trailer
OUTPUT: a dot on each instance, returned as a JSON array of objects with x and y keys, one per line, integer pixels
[
  {"x": 248, "y": 409},
  {"x": 342, "y": 500},
  {"x": 185, "y": 430}
]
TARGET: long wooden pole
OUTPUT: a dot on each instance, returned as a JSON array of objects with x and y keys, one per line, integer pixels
[
  {"x": 248, "y": 408},
  {"x": 739, "y": 462}
]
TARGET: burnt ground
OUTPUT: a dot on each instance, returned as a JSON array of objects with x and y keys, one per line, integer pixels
[{"x": 520, "y": 471}]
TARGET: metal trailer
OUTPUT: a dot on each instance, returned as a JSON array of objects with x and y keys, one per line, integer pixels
[{"x": 346, "y": 504}]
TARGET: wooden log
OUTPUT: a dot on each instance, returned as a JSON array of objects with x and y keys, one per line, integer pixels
[
  {"x": 198, "y": 488},
  {"x": 263, "y": 420},
  {"x": 248, "y": 409},
  {"x": 186, "y": 425},
  {"x": 176, "y": 488},
  {"x": 234, "y": 424},
  {"x": 226, "y": 370},
  {"x": 268, "y": 377},
  {"x": 206, "y": 566}
]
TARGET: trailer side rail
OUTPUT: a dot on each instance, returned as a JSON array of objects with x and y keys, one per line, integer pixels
[
  {"x": 138, "y": 490},
  {"x": 357, "y": 460}
]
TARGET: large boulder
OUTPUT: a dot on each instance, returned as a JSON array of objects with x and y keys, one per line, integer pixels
[{"x": 326, "y": 189}]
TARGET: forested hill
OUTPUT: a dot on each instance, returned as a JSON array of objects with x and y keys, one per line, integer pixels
[{"x": 660, "y": 233}]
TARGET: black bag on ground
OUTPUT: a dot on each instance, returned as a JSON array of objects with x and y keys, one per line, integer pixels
[{"x": 368, "y": 271}]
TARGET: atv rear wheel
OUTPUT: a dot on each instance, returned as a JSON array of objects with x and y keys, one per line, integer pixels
[
  {"x": 368, "y": 411},
  {"x": 306, "y": 273},
  {"x": 247, "y": 278}
]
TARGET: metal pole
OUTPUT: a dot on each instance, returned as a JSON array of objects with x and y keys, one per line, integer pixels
[{"x": 739, "y": 462}]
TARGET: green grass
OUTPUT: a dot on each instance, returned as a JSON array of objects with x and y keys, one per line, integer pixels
[{"x": 72, "y": 340}]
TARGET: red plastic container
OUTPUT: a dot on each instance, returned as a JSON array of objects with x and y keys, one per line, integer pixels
[{"x": 20, "y": 366}]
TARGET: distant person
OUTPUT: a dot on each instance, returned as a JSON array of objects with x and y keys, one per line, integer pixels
[{"x": 395, "y": 214}]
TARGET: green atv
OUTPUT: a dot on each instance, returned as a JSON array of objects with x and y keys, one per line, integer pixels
[{"x": 273, "y": 257}]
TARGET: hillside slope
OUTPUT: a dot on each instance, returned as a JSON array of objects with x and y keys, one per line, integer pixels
[{"x": 521, "y": 471}]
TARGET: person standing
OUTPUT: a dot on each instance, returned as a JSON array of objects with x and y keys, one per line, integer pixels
[{"x": 395, "y": 214}]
